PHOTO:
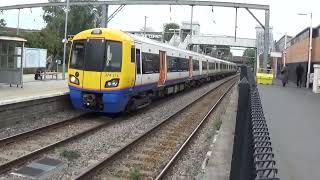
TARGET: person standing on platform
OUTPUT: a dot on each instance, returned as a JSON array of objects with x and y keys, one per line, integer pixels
[
  {"x": 284, "y": 75},
  {"x": 299, "y": 72}
]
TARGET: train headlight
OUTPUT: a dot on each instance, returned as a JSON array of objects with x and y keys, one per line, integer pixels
[
  {"x": 74, "y": 80},
  {"x": 112, "y": 83}
]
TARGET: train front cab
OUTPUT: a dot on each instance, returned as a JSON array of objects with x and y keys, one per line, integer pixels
[{"x": 101, "y": 74}]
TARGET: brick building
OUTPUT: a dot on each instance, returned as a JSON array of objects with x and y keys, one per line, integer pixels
[{"x": 298, "y": 51}]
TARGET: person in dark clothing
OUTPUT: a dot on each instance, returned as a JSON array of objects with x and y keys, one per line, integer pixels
[
  {"x": 299, "y": 72},
  {"x": 284, "y": 75}
]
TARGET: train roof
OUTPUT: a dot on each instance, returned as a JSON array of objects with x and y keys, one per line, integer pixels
[{"x": 153, "y": 42}]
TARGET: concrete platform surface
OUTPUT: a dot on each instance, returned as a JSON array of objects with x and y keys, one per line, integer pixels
[
  {"x": 32, "y": 90},
  {"x": 293, "y": 116}
]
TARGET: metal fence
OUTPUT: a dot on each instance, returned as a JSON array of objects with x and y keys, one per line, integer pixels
[{"x": 253, "y": 157}]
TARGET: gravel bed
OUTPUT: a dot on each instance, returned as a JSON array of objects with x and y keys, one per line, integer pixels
[
  {"x": 107, "y": 140},
  {"x": 25, "y": 146},
  {"x": 153, "y": 152},
  {"x": 188, "y": 166},
  {"x": 37, "y": 123}
]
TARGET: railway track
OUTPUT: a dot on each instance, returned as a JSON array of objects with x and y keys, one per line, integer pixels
[
  {"x": 20, "y": 148},
  {"x": 150, "y": 155}
]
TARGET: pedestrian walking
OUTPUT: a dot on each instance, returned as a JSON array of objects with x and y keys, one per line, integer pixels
[
  {"x": 299, "y": 72},
  {"x": 284, "y": 75}
]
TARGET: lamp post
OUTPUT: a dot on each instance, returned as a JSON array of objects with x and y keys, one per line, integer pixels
[
  {"x": 65, "y": 41},
  {"x": 285, "y": 50},
  {"x": 310, "y": 47}
]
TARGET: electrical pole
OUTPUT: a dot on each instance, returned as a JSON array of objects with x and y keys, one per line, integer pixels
[
  {"x": 65, "y": 41},
  {"x": 145, "y": 26},
  {"x": 285, "y": 50},
  {"x": 18, "y": 26},
  {"x": 310, "y": 52}
]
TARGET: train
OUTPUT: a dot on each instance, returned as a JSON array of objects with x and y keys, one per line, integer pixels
[{"x": 112, "y": 71}]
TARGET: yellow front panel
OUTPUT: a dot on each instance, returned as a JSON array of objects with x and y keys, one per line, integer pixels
[
  {"x": 80, "y": 77},
  {"x": 91, "y": 80}
]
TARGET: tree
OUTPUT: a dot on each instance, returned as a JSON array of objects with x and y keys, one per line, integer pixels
[
  {"x": 80, "y": 18},
  {"x": 250, "y": 55},
  {"x": 2, "y": 23},
  {"x": 169, "y": 33}
]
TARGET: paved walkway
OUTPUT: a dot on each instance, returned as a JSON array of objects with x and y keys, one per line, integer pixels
[
  {"x": 293, "y": 116},
  {"x": 32, "y": 90}
]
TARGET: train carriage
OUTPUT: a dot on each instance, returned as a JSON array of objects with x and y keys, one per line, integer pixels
[{"x": 113, "y": 71}]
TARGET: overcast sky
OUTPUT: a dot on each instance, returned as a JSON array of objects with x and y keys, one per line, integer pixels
[{"x": 221, "y": 21}]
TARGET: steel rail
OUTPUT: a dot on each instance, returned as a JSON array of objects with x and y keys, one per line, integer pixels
[
  {"x": 32, "y": 132},
  {"x": 91, "y": 170},
  {"x": 188, "y": 140},
  {"x": 9, "y": 165}
]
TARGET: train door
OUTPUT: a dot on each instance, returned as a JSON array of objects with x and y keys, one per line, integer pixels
[
  {"x": 163, "y": 69},
  {"x": 138, "y": 53},
  {"x": 190, "y": 67},
  {"x": 94, "y": 58}
]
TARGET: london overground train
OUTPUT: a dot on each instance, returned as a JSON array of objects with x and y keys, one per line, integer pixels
[{"x": 112, "y": 71}]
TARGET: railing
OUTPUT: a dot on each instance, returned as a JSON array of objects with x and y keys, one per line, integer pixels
[{"x": 253, "y": 157}]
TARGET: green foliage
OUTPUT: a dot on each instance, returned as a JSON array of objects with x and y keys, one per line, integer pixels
[
  {"x": 217, "y": 124},
  {"x": 70, "y": 155},
  {"x": 135, "y": 173},
  {"x": 50, "y": 38},
  {"x": 167, "y": 33},
  {"x": 2, "y": 23},
  {"x": 251, "y": 56}
]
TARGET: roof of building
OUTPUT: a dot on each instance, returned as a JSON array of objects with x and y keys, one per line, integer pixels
[{"x": 8, "y": 38}]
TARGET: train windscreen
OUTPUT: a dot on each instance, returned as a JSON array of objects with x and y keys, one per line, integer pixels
[{"x": 96, "y": 55}]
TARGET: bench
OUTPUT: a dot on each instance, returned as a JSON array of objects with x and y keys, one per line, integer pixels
[{"x": 52, "y": 74}]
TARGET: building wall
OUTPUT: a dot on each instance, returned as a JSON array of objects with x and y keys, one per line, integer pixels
[
  {"x": 298, "y": 52},
  {"x": 316, "y": 50}
]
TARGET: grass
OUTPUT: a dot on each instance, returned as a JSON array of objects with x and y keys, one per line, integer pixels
[
  {"x": 135, "y": 173},
  {"x": 217, "y": 124},
  {"x": 70, "y": 155}
]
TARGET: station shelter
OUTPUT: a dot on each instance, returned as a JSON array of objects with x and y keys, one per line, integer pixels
[{"x": 11, "y": 60}]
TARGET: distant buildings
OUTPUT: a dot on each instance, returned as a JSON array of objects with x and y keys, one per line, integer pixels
[
  {"x": 297, "y": 51},
  {"x": 154, "y": 35}
]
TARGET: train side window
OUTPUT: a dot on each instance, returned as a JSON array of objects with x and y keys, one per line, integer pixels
[
  {"x": 172, "y": 64},
  {"x": 138, "y": 61},
  {"x": 184, "y": 64},
  {"x": 204, "y": 65},
  {"x": 133, "y": 54},
  {"x": 150, "y": 63},
  {"x": 195, "y": 65}
]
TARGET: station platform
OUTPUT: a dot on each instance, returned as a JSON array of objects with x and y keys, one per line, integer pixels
[
  {"x": 293, "y": 119},
  {"x": 32, "y": 90}
]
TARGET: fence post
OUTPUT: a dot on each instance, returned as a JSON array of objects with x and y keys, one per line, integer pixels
[
  {"x": 239, "y": 164},
  {"x": 244, "y": 72}
]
